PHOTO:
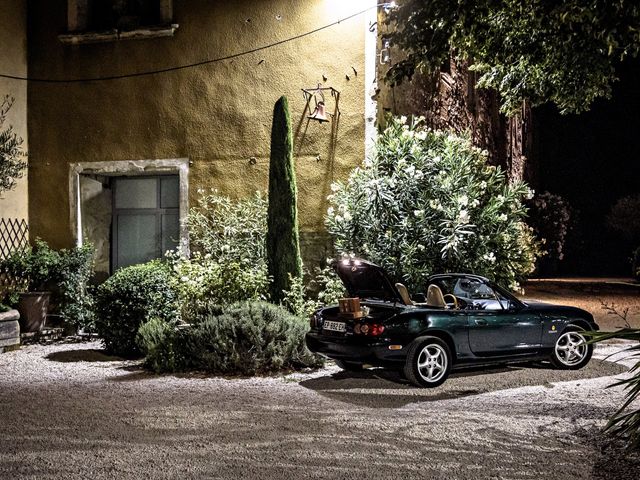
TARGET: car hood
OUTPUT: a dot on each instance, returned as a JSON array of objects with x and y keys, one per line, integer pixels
[
  {"x": 366, "y": 280},
  {"x": 543, "y": 307}
]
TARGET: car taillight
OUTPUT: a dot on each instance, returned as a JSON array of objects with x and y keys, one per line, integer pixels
[
  {"x": 371, "y": 329},
  {"x": 314, "y": 320},
  {"x": 376, "y": 329}
]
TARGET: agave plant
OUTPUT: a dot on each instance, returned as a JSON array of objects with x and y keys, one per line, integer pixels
[{"x": 625, "y": 422}]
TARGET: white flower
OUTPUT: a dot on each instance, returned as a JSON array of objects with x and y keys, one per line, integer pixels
[
  {"x": 403, "y": 119},
  {"x": 463, "y": 201},
  {"x": 475, "y": 203},
  {"x": 418, "y": 174},
  {"x": 338, "y": 219},
  {"x": 530, "y": 193},
  {"x": 407, "y": 134},
  {"x": 463, "y": 217},
  {"x": 418, "y": 213},
  {"x": 421, "y": 135},
  {"x": 500, "y": 198},
  {"x": 330, "y": 211},
  {"x": 410, "y": 170},
  {"x": 184, "y": 278},
  {"x": 490, "y": 257},
  {"x": 483, "y": 185},
  {"x": 420, "y": 247},
  {"x": 347, "y": 216},
  {"x": 335, "y": 187},
  {"x": 503, "y": 217},
  {"x": 437, "y": 159}
]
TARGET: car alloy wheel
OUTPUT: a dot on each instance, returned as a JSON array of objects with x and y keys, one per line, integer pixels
[
  {"x": 428, "y": 362},
  {"x": 571, "y": 350}
]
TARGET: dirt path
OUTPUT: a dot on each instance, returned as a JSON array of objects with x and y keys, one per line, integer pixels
[
  {"x": 68, "y": 411},
  {"x": 590, "y": 295}
]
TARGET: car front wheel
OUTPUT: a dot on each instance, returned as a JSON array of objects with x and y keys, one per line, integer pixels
[
  {"x": 428, "y": 362},
  {"x": 571, "y": 351}
]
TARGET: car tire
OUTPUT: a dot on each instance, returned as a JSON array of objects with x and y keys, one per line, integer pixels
[
  {"x": 428, "y": 362},
  {"x": 349, "y": 366},
  {"x": 570, "y": 351}
]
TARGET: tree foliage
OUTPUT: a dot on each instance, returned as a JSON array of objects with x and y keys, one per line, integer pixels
[
  {"x": 563, "y": 51},
  {"x": 12, "y": 155}
]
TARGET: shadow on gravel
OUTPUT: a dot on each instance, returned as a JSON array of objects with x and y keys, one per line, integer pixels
[
  {"x": 388, "y": 389},
  {"x": 88, "y": 355}
]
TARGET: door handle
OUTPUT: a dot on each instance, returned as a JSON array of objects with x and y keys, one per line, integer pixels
[{"x": 481, "y": 322}]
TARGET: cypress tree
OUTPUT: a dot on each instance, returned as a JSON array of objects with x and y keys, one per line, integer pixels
[{"x": 283, "y": 244}]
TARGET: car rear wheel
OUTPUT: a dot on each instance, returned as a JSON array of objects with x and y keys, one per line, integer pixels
[
  {"x": 571, "y": 352},
  {"x": 428, "y": 362},
  {"x": 349, "y": 366}
]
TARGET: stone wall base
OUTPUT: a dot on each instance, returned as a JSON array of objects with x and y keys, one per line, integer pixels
[{"x": 9, "y": 331}]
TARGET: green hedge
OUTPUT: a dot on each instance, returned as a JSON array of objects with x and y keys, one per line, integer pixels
[{"x": 131, "y": 297}]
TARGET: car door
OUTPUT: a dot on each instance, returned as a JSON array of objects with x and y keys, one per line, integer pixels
[{"x": 497, "y": 327}]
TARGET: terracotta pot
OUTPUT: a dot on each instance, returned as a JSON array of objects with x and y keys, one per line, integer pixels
[{"x": 33, "y": 308}]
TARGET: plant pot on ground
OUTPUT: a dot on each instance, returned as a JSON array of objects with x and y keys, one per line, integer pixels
[
  {"x": 33, "y": 308},
  {"x": 33, "y": 267}
]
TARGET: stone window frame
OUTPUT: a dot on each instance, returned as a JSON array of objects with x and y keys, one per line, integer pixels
[
  {"x": 121, "y": 168},
  {"x": 77, "y": 24}
]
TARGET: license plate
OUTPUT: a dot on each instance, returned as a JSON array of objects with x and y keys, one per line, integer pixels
[{"x": 334, "y": 326}]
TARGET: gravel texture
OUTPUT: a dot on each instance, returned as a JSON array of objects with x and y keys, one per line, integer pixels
[{"x": 69, "y": 411}]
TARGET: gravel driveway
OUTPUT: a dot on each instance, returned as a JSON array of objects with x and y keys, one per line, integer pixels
[{"x": 68, "y": 411}]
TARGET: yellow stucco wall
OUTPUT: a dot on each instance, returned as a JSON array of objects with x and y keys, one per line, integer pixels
[
  {"x": 218, "y": 115},
  {"x": 13, "y": 61}
]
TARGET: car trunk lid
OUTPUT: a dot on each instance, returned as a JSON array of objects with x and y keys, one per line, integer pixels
[{"x": 366, "y": 280}]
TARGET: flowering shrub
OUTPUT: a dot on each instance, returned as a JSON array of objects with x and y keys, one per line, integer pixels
[
  {"x": 550, "y": 216},
  {"x": 204, "y": 278},
  {"x": 428, "y": 202},
  {"x": 229, "y": 261}
]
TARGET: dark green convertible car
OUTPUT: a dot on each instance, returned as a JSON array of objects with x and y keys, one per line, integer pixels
[{"x": 461, "y": 320}]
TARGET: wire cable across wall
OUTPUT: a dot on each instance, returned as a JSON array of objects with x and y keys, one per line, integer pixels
[{"x": 189, "y": 65}]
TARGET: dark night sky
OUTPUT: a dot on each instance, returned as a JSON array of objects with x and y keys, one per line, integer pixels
[{"x": 592, "y": 159}]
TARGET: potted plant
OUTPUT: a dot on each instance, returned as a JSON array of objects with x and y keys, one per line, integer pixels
[{"x": 34, "y": 267}]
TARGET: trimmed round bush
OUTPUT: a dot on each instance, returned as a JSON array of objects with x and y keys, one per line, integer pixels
[
  {"x": 245, "y": 338},
  {"x": 131, "y": 297}
]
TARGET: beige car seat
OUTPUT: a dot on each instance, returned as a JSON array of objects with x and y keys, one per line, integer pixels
[
  {"x": 435, "y": 297},
  {"x": 404, "y": 293}
]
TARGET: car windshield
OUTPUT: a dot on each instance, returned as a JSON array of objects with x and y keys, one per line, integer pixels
[{"x": 472, "y": 293}]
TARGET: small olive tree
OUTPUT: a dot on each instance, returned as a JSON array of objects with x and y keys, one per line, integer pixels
[
  {"x": 428, "y": 202},
  {"x": 12, "y": 155}
]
